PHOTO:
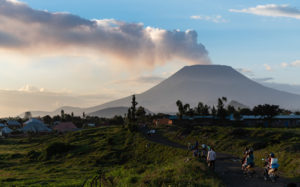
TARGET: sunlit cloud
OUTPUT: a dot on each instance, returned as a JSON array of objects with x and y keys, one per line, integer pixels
[
  {"x": 295, "y": 63},
  {"x": 271, "y": 10},
  {"x": 35, "y": 32},
  {"x": 268, "y": 67}
]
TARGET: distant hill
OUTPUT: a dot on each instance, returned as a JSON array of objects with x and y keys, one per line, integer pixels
[
  {"x": 237, "y": 105},
  {"x": 67, "y": 109},
  {"x": 205, "y": 83},
  {"x": 111, "y": 112}
]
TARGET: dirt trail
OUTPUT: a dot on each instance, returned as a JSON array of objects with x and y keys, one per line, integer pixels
[{"x": 228, "y": 167}]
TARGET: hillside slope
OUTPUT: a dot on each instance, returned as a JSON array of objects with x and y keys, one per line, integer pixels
[{"x": 123, "y": 158}]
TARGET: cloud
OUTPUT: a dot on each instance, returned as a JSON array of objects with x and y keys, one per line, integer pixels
[
  {"x": 36, "y": 32},
  {"x": 246, "y": 71},
  {"x": 295, "y": 63},
  {"x": 271, "y": 10},
  {"x": 266, "y": 79},
  {"x": 28, "y": 88},
  {"x": 215, "y": 19},
  {"x": 30, "y": 98},
  {"x": 268, "y": 67},
  {"x": 284, "y": 64},
  {"x": 291, "y": 88}
]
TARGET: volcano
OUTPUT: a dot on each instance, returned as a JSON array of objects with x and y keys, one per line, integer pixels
[{"x": 207, "y": 83}]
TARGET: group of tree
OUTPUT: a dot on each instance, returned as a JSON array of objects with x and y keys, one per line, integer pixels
[
  {"x": 135, "y": 115},
  {"x": 221, "y": 110}
]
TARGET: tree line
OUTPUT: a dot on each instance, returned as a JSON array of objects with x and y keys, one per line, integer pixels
[{"x": 220, "y": 111}]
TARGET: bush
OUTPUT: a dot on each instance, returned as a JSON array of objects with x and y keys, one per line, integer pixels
[
  {"x": 132, "y": 127},
  {"x": 33, "y": 155},
  {"x": 56, "y": 149},
  {"x": 239, "y": 133}
]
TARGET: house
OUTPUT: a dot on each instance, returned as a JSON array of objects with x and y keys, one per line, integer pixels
[
  {"x": 35, "y": 126},
  {"x": 65, "y": 127},
  {"x": 91, "y": 125},
  {"x": 276, "y": 121},
  {"x": 5, "y": 131},
  {"x": 13, "y": 124},
  {"x": 162, "y": 121},
  {"x": 2, "y": 125}
]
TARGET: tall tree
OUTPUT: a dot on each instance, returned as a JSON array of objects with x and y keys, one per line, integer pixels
[
  {"x": 140, "y": 113},
  {"x": 186, "y": 108},
  {"x": 62, "y": 114},
  {"x": 133, "y": 108},
  {"x": 205, "y": 110},
  {"x": 213, "y": 111},
  {"x": 199, "y": 108},
  {"x": 221, "y": 111},
  {"x": 180, "y": 109}
]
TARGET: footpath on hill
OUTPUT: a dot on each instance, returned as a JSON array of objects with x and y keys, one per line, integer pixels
[{"x": 228, "y": 167}]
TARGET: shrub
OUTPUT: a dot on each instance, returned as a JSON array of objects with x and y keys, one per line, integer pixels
[
  {"x": 33, "y": 155},
  {"x": 56, "y": 149}
]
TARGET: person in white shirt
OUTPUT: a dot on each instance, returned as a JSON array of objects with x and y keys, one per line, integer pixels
[{"x": 211, "y": 158}]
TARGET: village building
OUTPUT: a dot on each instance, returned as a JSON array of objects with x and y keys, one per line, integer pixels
[
  {"x": 13, "y": 124},
  {"x": 35, "y": 126},
  {"x": 5, "y": 131},
  {"x": 162, "y": 121},
  {"x": 65, "y": 127}
]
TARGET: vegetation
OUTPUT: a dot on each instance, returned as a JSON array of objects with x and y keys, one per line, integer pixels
[
  {"x": 232, "y": 140},
  {"x": 266, "y": 111},
  {"x": 122, "y": 158}
]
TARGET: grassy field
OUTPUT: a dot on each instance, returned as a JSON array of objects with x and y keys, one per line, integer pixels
[
  {"x": 123, "y": 158},
  {"x": 285, "y": 143}
]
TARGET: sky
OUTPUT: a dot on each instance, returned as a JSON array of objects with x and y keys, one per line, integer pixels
[{"x": 84, "y": 53}]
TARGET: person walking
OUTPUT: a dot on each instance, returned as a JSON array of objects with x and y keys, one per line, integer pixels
[{"x": 211, "y": 158}]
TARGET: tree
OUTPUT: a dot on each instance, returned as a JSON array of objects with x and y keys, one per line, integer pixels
[
  {"x": 186, "y": 108},
  {"x": 245, "y": 111},
  {"x": 62, "y": 114},
  {"x": 180, "y": 109},
  {"x": 205, "y": 110},
  {"x": 231, "y": 109},
  {"x": 202, "y": 109},
  {"x": 56, "y": 118},
  {"x": 221, "y": 111},
  {"x": 27, "y": 115},
  {"x": 199, "y": 108},
  {"x": 47, "y": 119},
  {"x": 213, "y": 111},
  {"x": 141, "y": 113},
  {"x": 266, "y": 111},
  {"x": 133, "y": 108}
]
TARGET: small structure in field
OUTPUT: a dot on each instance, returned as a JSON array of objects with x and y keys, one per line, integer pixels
[
  {"x": 5, "y": 131},
  {"x": 91, "y": 125},
  {"x": 2, "y": 125},
  {"x": 35, "y": 126},
  {"x": 276, "y": 121},
  {"x": 65, "y": 127},
  {"x": 13, "y": 124},
  {"x": 162, "y": 121}
]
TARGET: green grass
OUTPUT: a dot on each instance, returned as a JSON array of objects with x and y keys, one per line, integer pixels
[
  {"x": 123, "y": 158},
  {"x": 285, "y": 143}
]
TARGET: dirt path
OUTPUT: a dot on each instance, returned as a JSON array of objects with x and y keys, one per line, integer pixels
[{"x": 228, "y": 167}]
